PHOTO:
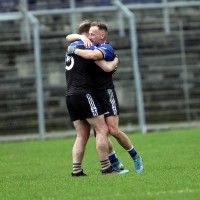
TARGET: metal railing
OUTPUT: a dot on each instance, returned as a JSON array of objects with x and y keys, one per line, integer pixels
[{"x": 30, "y": 17}]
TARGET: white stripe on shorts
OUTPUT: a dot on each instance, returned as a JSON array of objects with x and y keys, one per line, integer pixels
[
  {"x": 112, "y": 101},
  {"x": 93, "y": 108}
]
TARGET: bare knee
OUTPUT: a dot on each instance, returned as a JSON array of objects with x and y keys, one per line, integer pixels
[
  {"x": 102, "y": 130},
  {"x": 114, "y": 131},
  {"x": 82, "y": 138}
]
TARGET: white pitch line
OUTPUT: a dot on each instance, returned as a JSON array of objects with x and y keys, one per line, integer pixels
[
  {"x": 174, "y": 192},
  {"x": 118, "y": 195}
]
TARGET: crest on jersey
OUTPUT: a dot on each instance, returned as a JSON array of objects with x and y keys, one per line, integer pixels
[{"x": 69, "y": 62}]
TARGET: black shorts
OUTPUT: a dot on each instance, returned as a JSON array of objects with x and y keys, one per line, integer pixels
[
  {"x": 83, "y": 106},
  {"x": 109, "y": 102}
]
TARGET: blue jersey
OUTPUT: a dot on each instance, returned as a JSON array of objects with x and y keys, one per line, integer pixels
[
  {"x": 79, "y": 44},
  {"x": 107, "y": 51}
]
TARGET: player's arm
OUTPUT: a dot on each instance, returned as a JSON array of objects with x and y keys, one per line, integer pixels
[
  {"x": 108, "y": 66},
  {"x": 87, "y": 54},
  {"x": 90, "y": 54},
  {"x": 73, "y": 37}
]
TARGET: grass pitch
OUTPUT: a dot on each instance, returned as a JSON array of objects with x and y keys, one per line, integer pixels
[{"x": 41, "y": 169}]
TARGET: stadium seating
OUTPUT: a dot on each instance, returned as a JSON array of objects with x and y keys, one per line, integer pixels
[{"x": 159, "y": 60}]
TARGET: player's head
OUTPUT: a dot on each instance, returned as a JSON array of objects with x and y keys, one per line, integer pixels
[
  {"x": 84, "y": 27},
  {"x": 98, "y": 33}
]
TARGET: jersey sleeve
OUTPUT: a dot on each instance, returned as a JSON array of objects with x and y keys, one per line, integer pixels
[{"x": 107, "y": 51}]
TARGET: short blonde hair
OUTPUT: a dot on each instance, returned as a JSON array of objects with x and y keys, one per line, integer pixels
[{"x": 100, "y": 25}]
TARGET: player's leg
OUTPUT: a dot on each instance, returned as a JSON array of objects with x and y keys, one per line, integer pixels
[
  {"x": 83, "y": 132},
  {"x": 111, "y": 107},
  {"x": 116, "y": 164},
  {"x": 93, "y": 113},
  {"x": 101, "y": 130},
  {"x": 112, "y": 123}
]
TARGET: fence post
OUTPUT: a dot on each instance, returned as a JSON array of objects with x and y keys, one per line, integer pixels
[
  {"x": 185, "y": 72},
  {"x": 120, "y": 24},
  {"x": 38, "y": 72},
  {"x": 166, "y": 17},
  {"x": 39, "y": 82},
  {"x": 73, "y": 17},
  {"x": 24, "y": 26}
]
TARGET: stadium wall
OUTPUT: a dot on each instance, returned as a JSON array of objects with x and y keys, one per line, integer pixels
[{"x": 161, "y": 65}]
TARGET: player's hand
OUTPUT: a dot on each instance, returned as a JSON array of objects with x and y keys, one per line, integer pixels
[
  {"x": 71, "y": 49},
  {"x": 116, "y": 56},
  {"x": 114, "y": 70},
  {"x": 87, "y": 43}
]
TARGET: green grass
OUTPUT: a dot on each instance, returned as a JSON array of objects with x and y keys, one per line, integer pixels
[{"x": 41, "y": 169}]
